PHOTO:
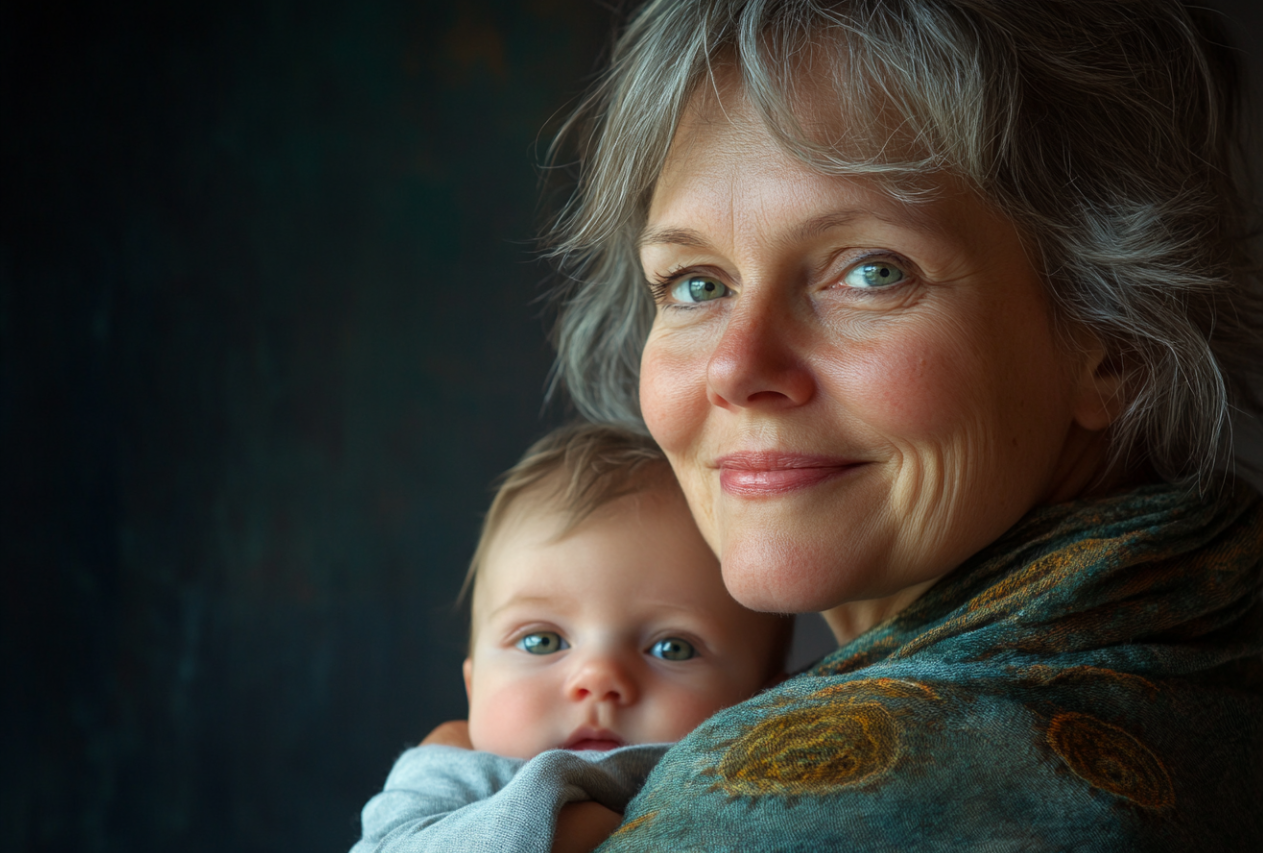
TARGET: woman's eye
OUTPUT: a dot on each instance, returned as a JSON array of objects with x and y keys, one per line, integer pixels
[
  {"x": 542, "y": 643},
  {"x": 673, "y": 648},
  {"x": 869, "y": 276},
  {"x": 698, "y": 289}
]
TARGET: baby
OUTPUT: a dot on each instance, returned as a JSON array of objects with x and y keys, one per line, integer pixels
[{"x": 600, "y": 622}]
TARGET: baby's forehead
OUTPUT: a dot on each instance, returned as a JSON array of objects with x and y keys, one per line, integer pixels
[
  {"x": 536, "y": 556},
  {"x": 541, "y": 515}
]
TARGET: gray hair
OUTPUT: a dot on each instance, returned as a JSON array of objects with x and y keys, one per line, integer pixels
[{"x": 1106, "y": 129}]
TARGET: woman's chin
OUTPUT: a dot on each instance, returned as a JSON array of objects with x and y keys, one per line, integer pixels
[{"x": 784, "y": 580}]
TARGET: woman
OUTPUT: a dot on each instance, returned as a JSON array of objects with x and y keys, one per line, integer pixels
[{"x": 947, "y": 304}]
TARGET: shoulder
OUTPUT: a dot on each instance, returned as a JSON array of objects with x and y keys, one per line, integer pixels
[
  {"x": 908, "y": 763},
  {"x": 1087, "y": 685}
]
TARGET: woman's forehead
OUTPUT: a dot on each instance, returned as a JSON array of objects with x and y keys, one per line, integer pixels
[
  {"x": 818, "y": 100},
  {"x": 729, "y": 179},
  {"x": 721, "y": 132}
]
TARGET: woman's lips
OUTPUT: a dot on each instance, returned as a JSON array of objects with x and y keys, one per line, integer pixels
[{"x": 757, "y": 474}]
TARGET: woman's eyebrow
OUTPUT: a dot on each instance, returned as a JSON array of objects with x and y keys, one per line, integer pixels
[
  {"x": 817, "y": 225},
  {"x": 808, "y": 230},
  {"x": 671, "y": 237}
]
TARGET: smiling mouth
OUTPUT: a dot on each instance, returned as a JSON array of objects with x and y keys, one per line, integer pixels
[
  {"x": 595, "y": 739},
  {"x": 766, "y": 474}
]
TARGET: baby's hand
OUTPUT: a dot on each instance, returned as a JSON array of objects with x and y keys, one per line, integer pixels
[
  {"x": 581, "y": 827},
  {"x": 451, "y": 733}
]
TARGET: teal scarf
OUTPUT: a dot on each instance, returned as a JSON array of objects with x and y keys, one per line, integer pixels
[{"x": 1092, "y": 681}]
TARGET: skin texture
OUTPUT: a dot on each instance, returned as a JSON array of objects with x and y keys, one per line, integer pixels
[
  {"x": 888, "y": 432},
  {"x": 633, "y": 574},
  {"x": 582, "y": 826}
]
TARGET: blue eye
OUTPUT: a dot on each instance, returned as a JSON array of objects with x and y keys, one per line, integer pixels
[
  {"x": 698, "y": 289},
  {"x": 870, "y": 276},
  {"x": 542, "y": 643},
  {"x": 673, "y": 648}
]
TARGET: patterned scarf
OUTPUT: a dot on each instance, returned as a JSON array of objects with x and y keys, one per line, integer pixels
[{"x": 1092, "y": 681}]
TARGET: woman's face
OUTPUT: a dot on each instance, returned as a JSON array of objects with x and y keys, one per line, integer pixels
[{"x": 856, "y": 393}]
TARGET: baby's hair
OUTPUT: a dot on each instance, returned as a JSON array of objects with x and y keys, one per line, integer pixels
[{"x": 575, "y": 470}]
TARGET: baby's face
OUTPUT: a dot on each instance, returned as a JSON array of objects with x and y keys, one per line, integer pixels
[{"x": 619, "y": 633}]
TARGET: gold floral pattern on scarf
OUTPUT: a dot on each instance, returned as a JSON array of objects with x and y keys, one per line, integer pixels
[
  {"x": 813, "y": 750},
  {"x": 1106, "y": 757}
]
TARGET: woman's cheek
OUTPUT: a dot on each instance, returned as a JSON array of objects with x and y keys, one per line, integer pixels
[
  {"x": 907, "y": 391},
  {"x": 673, "y": 394}
]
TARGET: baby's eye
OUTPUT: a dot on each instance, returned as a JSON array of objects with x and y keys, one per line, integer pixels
[
  {"x": 673, "y": 648},
  {"x": 542, "y": 643},
  {"x": 872, "y": 275},
  {"x": 696, "y": 288}
]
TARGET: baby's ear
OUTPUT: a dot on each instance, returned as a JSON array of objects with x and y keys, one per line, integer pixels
[{"x": 468, "y": 669}]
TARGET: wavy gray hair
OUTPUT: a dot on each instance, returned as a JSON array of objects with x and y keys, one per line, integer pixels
[{"x": 1107, "y": 129}]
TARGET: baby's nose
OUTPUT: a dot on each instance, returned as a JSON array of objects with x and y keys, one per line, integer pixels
[{"x": 603, "y": 678}]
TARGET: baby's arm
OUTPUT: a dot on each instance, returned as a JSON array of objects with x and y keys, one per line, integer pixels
[
  {"x": 441, "y": 798},
  {"x": 430, "y": 785},
  {"x": 580, "y": 826}
]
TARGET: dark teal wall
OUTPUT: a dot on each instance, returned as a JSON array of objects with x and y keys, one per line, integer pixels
[{"x": 267, "y": 333}]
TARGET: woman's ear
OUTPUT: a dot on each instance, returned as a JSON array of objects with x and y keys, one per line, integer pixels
[
  {"x": 467, "y": 668},
  {"x": 1101, "y": 383}
]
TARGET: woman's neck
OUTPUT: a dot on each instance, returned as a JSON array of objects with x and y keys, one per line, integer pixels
[{"x": 848, "y": 621}]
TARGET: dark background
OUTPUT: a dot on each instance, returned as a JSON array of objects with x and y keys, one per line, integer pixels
[{"x": 267, "y": 332}]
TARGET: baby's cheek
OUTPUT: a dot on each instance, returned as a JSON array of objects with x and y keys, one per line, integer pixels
[
  {"x": 679, "y": 712},
  {"x": 510, "y": 720}
]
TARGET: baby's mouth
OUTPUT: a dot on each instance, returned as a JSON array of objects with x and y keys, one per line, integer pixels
[{"x": 587, "y": 737}]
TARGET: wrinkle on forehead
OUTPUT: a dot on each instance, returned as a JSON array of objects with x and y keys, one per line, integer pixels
[
  {"x": 818, "y": 130},
  {"x": 731, "y": 167},
  {"x": 720, "y": 119}
]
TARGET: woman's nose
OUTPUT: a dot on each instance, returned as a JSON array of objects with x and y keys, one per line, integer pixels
[
  {"x": 758, "y": 361},
  {"x": 602, "y": 677}
]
